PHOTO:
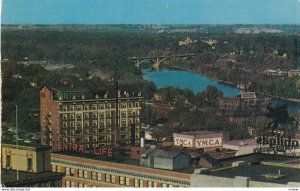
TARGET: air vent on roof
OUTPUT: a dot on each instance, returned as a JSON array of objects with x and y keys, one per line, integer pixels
[{"x": 82, "y": 96}]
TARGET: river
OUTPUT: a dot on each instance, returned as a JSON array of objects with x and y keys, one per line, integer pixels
[{"x": 198, "y": 83}]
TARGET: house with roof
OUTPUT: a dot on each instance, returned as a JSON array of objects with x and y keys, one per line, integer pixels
[{"x": 165, "y": 158}]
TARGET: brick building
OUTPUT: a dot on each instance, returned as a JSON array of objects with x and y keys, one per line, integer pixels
[
  {"x": 244, "y": 102},
  {"x": 81, "y": 116},
  {"x": 162, "y": 110},
  {"x": 84, "y": 171}
]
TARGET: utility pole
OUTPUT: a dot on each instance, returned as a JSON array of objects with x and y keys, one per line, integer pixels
[
  {"x": 116, "y": 133},
  {"x": 17, "y": 141}
]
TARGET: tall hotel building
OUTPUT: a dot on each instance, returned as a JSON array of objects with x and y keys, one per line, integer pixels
[{"x": 88, "y": 117}]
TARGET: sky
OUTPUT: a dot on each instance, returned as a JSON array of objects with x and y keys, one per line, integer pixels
[{"x": 150, "y": 12}]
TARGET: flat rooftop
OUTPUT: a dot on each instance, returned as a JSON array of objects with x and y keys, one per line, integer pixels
[
  {"x": 257, "y": 172},
  {"x": 199, "y": 132},
  {"x": 9, "y": 177},
  {"x": 123, "y": 159}
]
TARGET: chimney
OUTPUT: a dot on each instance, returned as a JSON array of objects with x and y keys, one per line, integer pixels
[
  {"x": 132, "y": 137},
  {"x": 142, "y": 135}
]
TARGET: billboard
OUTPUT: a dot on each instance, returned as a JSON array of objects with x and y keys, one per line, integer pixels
[{"x": 208, "y": 142}]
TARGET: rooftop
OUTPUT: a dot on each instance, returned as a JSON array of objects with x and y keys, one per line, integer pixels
[
  {"x": 9, "y": 177},
  {"x": 258, "y": 172},
  {"x": 23, "y": 145},
  {"x": 241, "y": 142},
  {"x": 198, "y": 132}
]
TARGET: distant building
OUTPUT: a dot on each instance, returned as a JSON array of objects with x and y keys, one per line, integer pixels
[
  {"x": 27, "y": 166},
  {"x": 88, "y": 117},
  {"x": 187, "y": 41},
  {"x": 162, "y": 110},
  {"x": 246, "y": 101},
  {"x": 293, "y": 73},
  {"x": 243, "y": 147}
]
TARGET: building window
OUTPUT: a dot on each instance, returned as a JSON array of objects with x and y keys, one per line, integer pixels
[
  {"x": 58, "y": 168},
  {"x": 71, "y": 123},
  {"x": 94, "y": 106},
  {"x": 136, "y": 183},
  {"x": 67, "y": 183},
  {"x": 72, "y": 184},
  {"x": 108, "y": 114},
  {"x": 94, "y": 139},
  {"x": 123, "y": 105},
  {"x": 7, "y": 161},
  {"x": 95, "y": 115},
  {"x": 80, "y": 175},
  {"x": 53, "y": 168},
  {"x": 67, "y": 171},
  {"x": 64, "y": 108},
  {"x": 137, "y": 120},
  {"x": 101, "y": 115},
  {"x": 80, "y": 185},
  {"x": 155, "y": 185},
  {"x": 78, "y": 107},
  {"x": 137, "y": 104},
  {"x": 127, "y": 181},
  {"x": 98, "y": 176},
  {"x": 101, "y": 106},
  {"x": 86, "y": 115},
  {"x": 86, "y": 107},
  {"x": 94, "y": 175},
  {"x": 86, "y": 123},
  {"x": 65, "y": 116},
  {"x": 108, "y": 106},
  {"x": 107, "y": 178},
  {"x": 78, "y": 116},
  {"x": 165, "y": 185},
  {"x": 72, "y": 116},
  {"x": 108, "y": 122},
  {"x": 141, "y": 183},
  {"x": 113, "y": 179},
  {"x": 85, "y": 174},
  {"x": 65, "y": 124},
  {"x": 85, "y": 185},
  {"x": 150, "y": 184},
  {"x": 122, "y": 180},
  {"x": 94, "y": 123}
]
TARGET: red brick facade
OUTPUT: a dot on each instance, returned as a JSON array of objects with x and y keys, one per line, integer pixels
[{"x": 138, "y": 174}]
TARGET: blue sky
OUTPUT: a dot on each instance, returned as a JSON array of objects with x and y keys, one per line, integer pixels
[{"x": 150, "y": 12}]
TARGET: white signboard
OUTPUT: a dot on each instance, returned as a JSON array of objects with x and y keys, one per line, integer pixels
[
  {"x": 208, "y": 142},
  {"x": 184, "y": 142}
]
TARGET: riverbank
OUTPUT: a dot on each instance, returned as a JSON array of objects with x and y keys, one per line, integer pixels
[
  {"x": 280, "y": 98},
  {"x": 292, "y": 100}
]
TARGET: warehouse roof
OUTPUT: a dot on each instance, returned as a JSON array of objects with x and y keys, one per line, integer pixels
[{"x": 261, "y": 172}]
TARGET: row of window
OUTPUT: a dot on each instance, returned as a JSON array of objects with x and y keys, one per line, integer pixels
[
  {"x": 94, "y": 115},
  {"x": 101, "y": 123},
  {"x": 108, "y": 178},
  {"x": 98, "y": 106}
]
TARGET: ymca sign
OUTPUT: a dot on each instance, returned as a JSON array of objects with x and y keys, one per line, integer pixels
[
  {"x": 184, "y": 142},
  {"x": 198, "y": 143},
  {"x": 208, "y": 142}
]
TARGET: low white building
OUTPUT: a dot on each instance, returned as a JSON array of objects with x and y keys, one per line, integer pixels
[{"x": 243, "y": 147}]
